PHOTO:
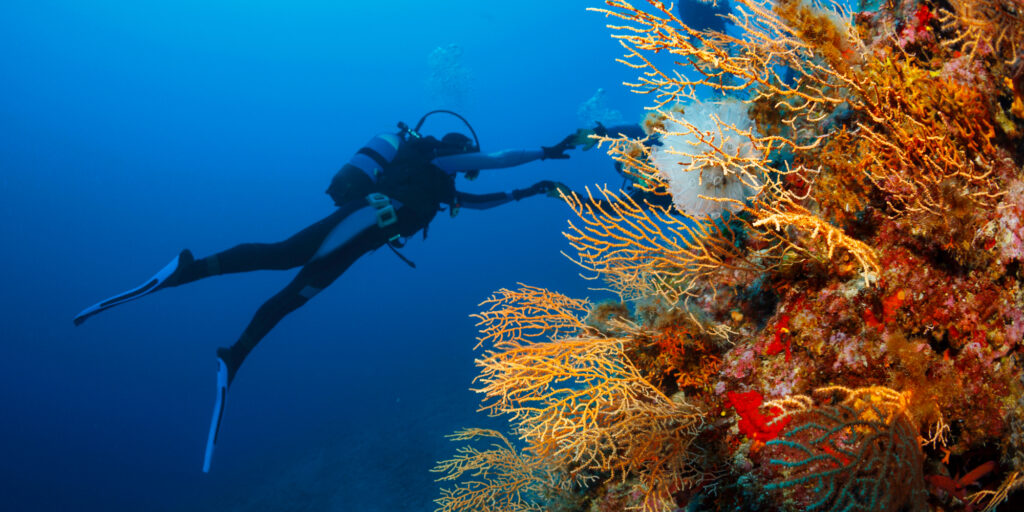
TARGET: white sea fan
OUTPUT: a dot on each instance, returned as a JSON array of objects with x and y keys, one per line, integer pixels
[{"x": 694, "y": 145}]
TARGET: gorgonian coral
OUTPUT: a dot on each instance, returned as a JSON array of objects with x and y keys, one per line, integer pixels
[{"x": 845, "y": 334}]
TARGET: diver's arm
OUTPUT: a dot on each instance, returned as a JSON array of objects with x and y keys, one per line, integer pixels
[
  {"x": 500, "y": 159},
  {"x": 482, "y": 201},
  {"x": 631, "y": 131},
  {"x": 485, "y": 201},
  {"x": 496, "y": 160}
]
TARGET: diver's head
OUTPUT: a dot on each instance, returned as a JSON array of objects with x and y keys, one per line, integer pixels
[{"x": 455, "y": 143}]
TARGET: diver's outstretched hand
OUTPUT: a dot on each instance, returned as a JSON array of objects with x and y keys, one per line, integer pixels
[
  {"x": 557, "y": 151},
  {"x": 551, "y": 188},
  {"x": 555, "y": 189},
  {"x": 587, "y": 138}
]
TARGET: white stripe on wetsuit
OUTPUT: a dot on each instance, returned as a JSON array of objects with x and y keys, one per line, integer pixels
[
  {"x": 495, "y": 160},
  {"x": 355, "y": 223}
]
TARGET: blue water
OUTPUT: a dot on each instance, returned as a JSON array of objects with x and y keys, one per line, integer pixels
[{"x": 130, "y": 130}]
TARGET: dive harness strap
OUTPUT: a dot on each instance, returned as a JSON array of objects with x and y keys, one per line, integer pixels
[{"x": 386, "y": 216}]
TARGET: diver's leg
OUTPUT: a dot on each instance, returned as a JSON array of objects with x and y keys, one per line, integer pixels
[
  {"x": 313, "y": 278},
  {"x": 357, "y": 234},
  {"x": 352, "y": 236},
  {"x": 290, "y": 253},
  {"x": 361, "y": 235}
]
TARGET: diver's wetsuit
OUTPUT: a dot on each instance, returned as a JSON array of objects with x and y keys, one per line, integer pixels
[
  {"x": 391, "y": 188},
  {"x": 326, "y": 249}
]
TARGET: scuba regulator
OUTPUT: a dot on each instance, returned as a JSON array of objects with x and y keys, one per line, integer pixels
[{"x": 414, "y": 133}]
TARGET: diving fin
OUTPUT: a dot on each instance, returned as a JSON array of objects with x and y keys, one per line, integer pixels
[
  {"x": 160, "y": 280},
  {"x": 218, "y": 412}
]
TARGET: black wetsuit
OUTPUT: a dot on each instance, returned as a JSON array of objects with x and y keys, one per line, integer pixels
[
  {"x": 390, "y": 189},
  {"x": 321, "y": 267},
  {"x": 296, "y": 251}
]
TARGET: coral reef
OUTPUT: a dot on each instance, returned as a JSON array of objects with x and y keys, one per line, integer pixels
[{"x": 844, "y": 335}]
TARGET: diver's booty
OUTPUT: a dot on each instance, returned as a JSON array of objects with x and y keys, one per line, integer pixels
[
  {"x": 186, "y": 263},
  {"x": 231, "y": 362},
  {"x": 171, "y": 275},
  {"x": 223, "y": 379}
]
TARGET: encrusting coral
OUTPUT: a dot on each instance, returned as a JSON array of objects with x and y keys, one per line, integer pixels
[{"x": 846, "y": 334}]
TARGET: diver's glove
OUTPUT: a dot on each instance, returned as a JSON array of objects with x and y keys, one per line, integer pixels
[
  {"x": 551, "y": 188},
  {"x": 587, "y": 137},
  {"x": 558, "y": 150}
]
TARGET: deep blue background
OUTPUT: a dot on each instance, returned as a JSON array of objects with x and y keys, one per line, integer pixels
[{"x": 132, "y": 129}]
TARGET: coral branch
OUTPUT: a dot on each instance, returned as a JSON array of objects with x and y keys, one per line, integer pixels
[
  {"x": 832, "y": 237},
  {"x": 515, "y": 316},
  {"x": 580, "y": 403},
  {"x": 496, "y": 479},
  {"x": 645, "y": 249}
]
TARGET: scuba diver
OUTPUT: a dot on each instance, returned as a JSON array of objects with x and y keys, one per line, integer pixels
[{"x": 389, "y": 190}]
